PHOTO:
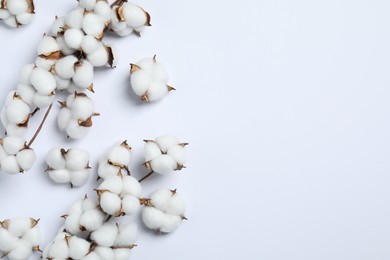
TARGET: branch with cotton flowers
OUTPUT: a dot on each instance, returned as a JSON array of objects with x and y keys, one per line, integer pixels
[{"x": 15, "y": 13}]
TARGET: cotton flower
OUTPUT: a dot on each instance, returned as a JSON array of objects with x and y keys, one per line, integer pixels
[
  {"x": 114, "y": 235},
  {"x": 164, "y": 211},
  {"x": 75, "y": 117},
  {"x": 16, "y": 12},
  {"x": 164, "y": 154},
  {"x": 19, "y": 238},
  {"x": 84, "y": 215},
  {"x": 15, "y": 156},
  {"x": 15, "y": 114},
  {"x": 116, "y": 160},
  {"x": 68, "y": 166},
  {"x": 149, "y": 79},
  {"x": 74, "y": 74},
  {"x": 119, "y": 195}
]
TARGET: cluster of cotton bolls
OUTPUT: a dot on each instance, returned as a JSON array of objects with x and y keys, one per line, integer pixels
[
  {"x": 68, "y": 166},
  {"x": 116, "y": 160},
  {"x": 148, "y": 79},
  {"x": 15, "y": 155},
  {"x": 75, "y": 117},
  {"x": 15, "y": 13},
  {"x": 19, "y": 238}
]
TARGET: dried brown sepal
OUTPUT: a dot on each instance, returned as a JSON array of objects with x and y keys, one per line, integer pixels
[
  {"x": 36, "y": 249},
  {"x": 134, "y": 68},
  {"x": 147, "y": 165},
  {"x": 184, "y": 218},
  {"x": 79, "y": 94},
  {"x": 31, "y": 7},
  {"x": 63, "y": 152},
  {"x": 5, "y": 223},
  {"x": 24, "y": 123},
  {"x": 119, "y": 13},
  {"x": 90, "y": 88},
  {"x": 148, "y": 18},
  {"x": 124, "y": 247},
  {"x": 180, "y": 167},
  {"x": 145, "y": 202},
  {"x": 126, "y": 145},
  {"x": 51, "y": 56},
  {"x": 174, "y": 192},
  {"x": 3, "y": 4},
  {"x": 110, "y": 54},
  {"x": 62, "y": 104},
  {"x": 48, "y": 169},
  {"x": 145, "y": 98},
  {"x": 137, "y": 33},
  {"x": 34, "y": 222},
  {"x": 64, "y": 216},
  {"x": 86, "y": 123},
  {"x": 170, "y": 88}
]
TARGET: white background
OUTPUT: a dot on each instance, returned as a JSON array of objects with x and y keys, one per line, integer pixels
[{"x": 285, "y": 104}]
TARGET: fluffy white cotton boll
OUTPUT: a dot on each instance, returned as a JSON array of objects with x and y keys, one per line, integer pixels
[
  {"x": 18, "y": 111},
  {"x": 26, "y": 159},
  {"x": 58, "y": 26},
  {"x": 93, "y": 25},
  {"x": 161, "y": 199},
  {"x": 22, "y": 251},
  {"x": 44, "y": 63},
  {"x": 47, "y": 46},
  {"x": 105, "y": 235},
  {"x": 128, "y": 235},
  {"x": 147, "y": 64},
  {"x": 130, "y": 185},
  {"x": 166, "y": 142},
  {"x": 43, "y": 100},
  {"x": 171, "y": 223},
  {"x": 15, "y": 130},
  {"x": 10, "y": 165},
  {"x": 43, "y": 81},
  {"x": 92, "y": 219},
  {"x": 11, "y": 22},
  {"x": 103, "y": 9},
  {"x": 134, "y": 15},
  {"x": 153, "y": 218},
  {"x": 140, "y": 82},
  {"x": 82, "y": 108},
  {"x": 26, "y": 92},
  {"x": 7, "y": 240},
  {"x": 90, "y": 44},
  {"x": 110, "y": 203},
  {"x": 75, "y": 131},
  {"x": 59, "y": 249},
  {"x": 70, "y": 99},
  {"x": 157, "y": 90},
  {"x": 25, "y": 74},
  {"x": 72, "y": 224},
  {"x": 4, "y": 14},
  {"x": 163, "y": 164},
  {"x": 65, "y": 49},
  {"x": 124, "y": 32},
  {"x": 83, "y": 76},
  {"x": 19, "y": 226},
  {"x": 62, "y": 83},
  {"x": 130, "y": 205},
  {"x": 25, "y": 18},
  {"x": 3, "y": 154},
  {"x": 79, "y": 178},
  {"x": 55, "y": 158},
  {"x": 12, "y": 144},
  {"x": 178, "y": 154},
  {"x": 112, "y": 183},
  {"x": 16, "y": 7},
  {"x": 87, "y": 4},
  {"x": 60, "y": 176},
  {"x": 105, "y": 169},
  {"x": 75, "y": 18},
  {"x": 65, "y": 67},
  {"x": 73, "y": 38},
  {"x": 64, "y": 118},
  {"x": 159, "y": 72},
  {"x": 122, "y": 253},
  {"x": 92, "y": 256},
  {"x": 32, "y": 236},
  {"x": 76, "y": 159},
  {"x": 115, "y": 24},
  {"x": 105, "y": 252},
  {"x": 99, "y": 58},
  {"x": 151, "y": 151},
  {"x": 78, "y": 248},
  {"x": 120, "y": 155}
]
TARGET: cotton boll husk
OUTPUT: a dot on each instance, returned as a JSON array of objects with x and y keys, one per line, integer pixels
[
  {"x": 45, "y": 64},
  {"x": 55, "y": 159},
  {"x": 22, "y": 251},
  {"x": 64, "y": 117},
  {"x": 140, "y": 82},
  {"x": 43, "y": 100},
  {"x": 130, "y": 205},
  {"x": 25, "y": 18},
  {"x": 25, "y": 74},
  {"x": 171, "y": 223},
  {"x": 62, "y": 83},
  {"x": 14, "y": 130},
  {"x": 16, "y": 7},
  {"x": 93, "y": 25},
  {"x": 60, "y": 176},
  {"x": 26, "y": 92},
  {"x": 134, "y": 15},
  {"x": 166, "y": 141},
  {"x": 92, "y": 219},
  {"x": 4, "y": 14},
  {"x": 58, "y": 26},
  {"x": 119, "y": 155},
  {"x": 122, "y": 253},
  {"x": 19, "y": 226},
  {"x": 17, "y": 111},
  {"x": 105, "y": 169},
  {"x": 12, "y": 144},
  {"x": 110, "y": 203},
  {"x": 131, "y": 186},
  {"x": 47, "y": 45},
  {"x": 75, "y": 131},
  {"x": 160, "y": 73},
  {"x": 79, "y": 177},
  {"x": 83, "y": 76},
  {"x": 75, "y": 18},
  {"x": 65, "y": 49},
  {"x": 43, "y": 81},
  {"x": 87, "y": 4},
  {"x": 82, "y": 108},
  {"x": 103, "y": 9},
  {"x": 128, "y": 235},
  {"x": 7, "y": 240},
  {"x": 26, "y": 159},
  {"x": 98, "y": 58},
  {"x": 163, "y": 164},
  {"x": 73, "y": 38},
  {"x": 151, "y": 151},
  {"x": 112, "y": 183},
  {"x": 11, "y": 22},
  {"x": 161, "y": 199},
  {"x": 105, "y": 235},
  {"x": 90, "y": 44},
  {"x": 178, "y": 154},
  {"x": 76, "y": 159},
  {"x": 152, "y": 217},
  {"x": 78, "y": 248},
  {"x": 157, "y": 90}
]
